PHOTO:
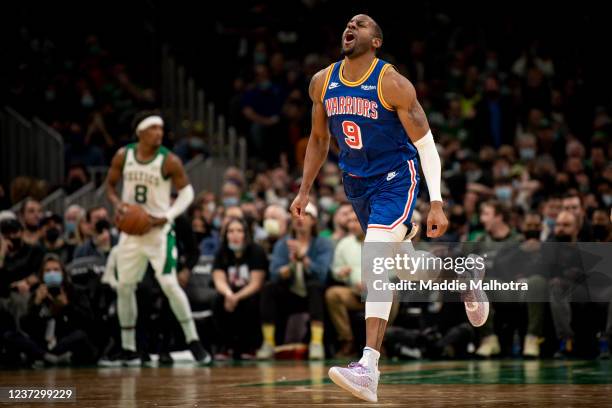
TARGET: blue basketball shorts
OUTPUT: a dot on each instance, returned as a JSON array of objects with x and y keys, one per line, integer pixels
[{"x": 384, "y": 201}]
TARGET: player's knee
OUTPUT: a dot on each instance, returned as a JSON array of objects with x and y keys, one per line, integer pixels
[
  {"x": 125, "y": 289},
  {"x": 168, "y": 283},
  {"x": 380, "y": 310}
]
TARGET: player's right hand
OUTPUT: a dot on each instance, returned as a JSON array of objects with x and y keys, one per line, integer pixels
[
  {"x": 298, "y": 207},
  {"x": 120, "y": 209}
]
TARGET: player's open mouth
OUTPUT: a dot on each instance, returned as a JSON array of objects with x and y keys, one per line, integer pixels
[{"x": 349, "y": 38}]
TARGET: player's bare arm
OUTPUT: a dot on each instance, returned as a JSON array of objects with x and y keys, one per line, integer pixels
[
  {"x": 399, "y": 92},
  {"x": 112, "y": 179},
  {"x": 318, "y": 144}
]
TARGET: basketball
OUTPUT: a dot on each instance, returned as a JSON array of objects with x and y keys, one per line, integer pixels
[{"x": 135, "y": 220}]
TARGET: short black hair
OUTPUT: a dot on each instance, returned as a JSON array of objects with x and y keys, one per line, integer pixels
[{"x": 142, "y": 115}]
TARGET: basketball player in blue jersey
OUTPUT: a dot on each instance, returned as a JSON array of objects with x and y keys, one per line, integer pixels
[{"x": 374, "y": 114}]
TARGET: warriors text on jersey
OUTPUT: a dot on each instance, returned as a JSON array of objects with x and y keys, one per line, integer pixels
[
  {"x": 144, "y": 183},
  {"x": 371, "y": 137}
]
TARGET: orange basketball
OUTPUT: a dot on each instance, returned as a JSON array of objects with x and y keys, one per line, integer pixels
[{"x": 135, "y": 220}]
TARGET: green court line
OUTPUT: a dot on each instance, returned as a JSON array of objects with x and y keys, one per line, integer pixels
[{"x": 483, "y": 372}]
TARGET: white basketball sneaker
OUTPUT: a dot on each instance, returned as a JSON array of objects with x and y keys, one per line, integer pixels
[
  {"x": 475, "y": 300},
  {"x": 359, "y": 380}
]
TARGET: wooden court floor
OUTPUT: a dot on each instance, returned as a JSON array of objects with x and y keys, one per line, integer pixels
[{"x": 509, "y": 383}]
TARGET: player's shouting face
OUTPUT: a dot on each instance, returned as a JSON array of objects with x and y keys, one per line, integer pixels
[{"x": 361, "y": 35}]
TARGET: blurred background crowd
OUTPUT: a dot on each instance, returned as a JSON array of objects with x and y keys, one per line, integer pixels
[{"x": 518, "y": 106}]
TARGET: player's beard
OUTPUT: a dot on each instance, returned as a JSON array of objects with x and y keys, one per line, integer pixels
[{"x": 355, "y": 51}]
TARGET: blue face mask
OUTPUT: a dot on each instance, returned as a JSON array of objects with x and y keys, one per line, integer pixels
[
  {"x": 527, "y": 153},
  {"x": 70, "y": 228},
  {"x": 230, "y": 202},
  {"x": 504, "y": 193},
  {"x": 53, "y": 278}
]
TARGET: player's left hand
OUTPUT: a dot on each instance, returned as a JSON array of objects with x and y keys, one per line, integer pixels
[
  {"x": 436, "y": 220},
  {"x": 157, "y": 222}
]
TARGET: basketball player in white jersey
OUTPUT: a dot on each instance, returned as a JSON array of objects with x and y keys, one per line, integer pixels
[{"x": 149, "y": 172}]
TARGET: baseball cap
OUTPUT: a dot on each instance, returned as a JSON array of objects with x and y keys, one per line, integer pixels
[{"x": 312, "y": 210}]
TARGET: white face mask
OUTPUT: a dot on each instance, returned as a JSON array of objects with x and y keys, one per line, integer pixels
[
  {"x": 234, "y": 247},
  {"x": 272, "y": 227}
]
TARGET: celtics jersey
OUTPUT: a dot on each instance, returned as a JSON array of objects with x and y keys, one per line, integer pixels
[{"x": 143, "y": 182}]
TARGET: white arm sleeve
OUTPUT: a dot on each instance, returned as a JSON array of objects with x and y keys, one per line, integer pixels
[
  {"x": 430, "y": 163},
  {"x": 184, "y": 198}
]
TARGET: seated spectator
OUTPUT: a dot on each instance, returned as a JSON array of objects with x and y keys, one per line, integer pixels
[
  {"x": 275, "y": 223},
  {"x": 340, "y": 221},
  {"x": 601, "y": 225},
  {"x": 239, "y": 271},
  {"x": 19, "y": 265},
  {"x": 566, "y": 231},
  {"x": 574, "y": 204},
  {"x": 59, "y": 318},
  {"x": 72, "y": 215},
  {"x": 298, "y": 270},
  {"x": 30, "y": 215},
  {"x": 93, "y": 217},
  {"x": 52, "y": 237},
  {"x": 206, "y": 237}
]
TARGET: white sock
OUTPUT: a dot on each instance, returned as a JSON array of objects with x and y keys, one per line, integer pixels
[{"x": 370, "y": 358}]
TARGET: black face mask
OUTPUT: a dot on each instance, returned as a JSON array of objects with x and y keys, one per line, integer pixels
[
  {"x": 532, "y": 234},
  {"x": 600, "y": 232},
  {"x": 52, "y": 234},
  {"x": 32, "y": 228},
  {"x": 563, "y": 238}
]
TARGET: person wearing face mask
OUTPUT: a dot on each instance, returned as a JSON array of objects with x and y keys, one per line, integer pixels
[
  {"x": 275, "y": 224},
  {"x": 565, "y": 279},
  {"x": 72, "y": 215},
  {"x": 230, "y": 194},
  {"x": 206, "y": 237},
  {"x": 59, "y": 320},
  {"x": 552, "y": 207},
  {"x": 600, "y": 224},
  {"x": 299, "y": 267},
  {"x": 52, "y": 231},
  {"x": 94, "y": 216},
  {"x": 19, "y": 263},
  {"x": 524, "y": 261},
  {"x": 86, "y": 271},
  {"x": 239, "y": 271}
]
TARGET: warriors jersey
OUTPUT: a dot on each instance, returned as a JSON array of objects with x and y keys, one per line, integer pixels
[{"x": 371, "y": 137}]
